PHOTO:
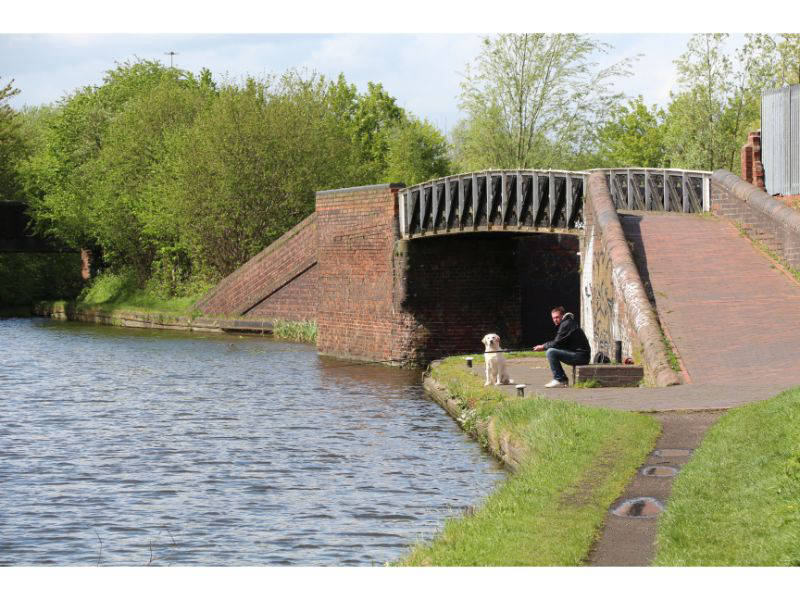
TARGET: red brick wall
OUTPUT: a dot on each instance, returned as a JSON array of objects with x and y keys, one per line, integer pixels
[
  {"x": 456, "y": 289},
  {"x": 356, "y": 315},
  {"x": 283, "y": 270},
  {"x": 763, "y": 217},
  {"x": 752, "y": 168},
  {"x": 295, "y": 301},
  {"x": 452, "y": 290}
]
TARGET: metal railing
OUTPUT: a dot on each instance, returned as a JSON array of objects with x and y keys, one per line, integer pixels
[
  {"x": 534, "y": 200},
  {"x": 518, "y": 200},
  {"x": 674, "y": 190}
]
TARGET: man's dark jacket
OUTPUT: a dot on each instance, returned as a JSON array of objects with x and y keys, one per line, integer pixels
[{"x": 569, "y": 336}]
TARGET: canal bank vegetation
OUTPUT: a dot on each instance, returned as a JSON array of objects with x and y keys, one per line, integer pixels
[
  {"x": 120, "y": 291},
  {"x": 295, "y": 331},
  {"x": 570, "y": 463},
  {"x": 28, "y": 277},
  {"x": 173, "y": 179},
  {"x": 737, "y": 501}
]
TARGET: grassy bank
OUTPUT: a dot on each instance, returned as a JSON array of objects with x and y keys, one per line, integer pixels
[
  {"x": 574, "y": 461},
  {"x": 737, "y": 502},
  {"x": 112, "y": 292}
]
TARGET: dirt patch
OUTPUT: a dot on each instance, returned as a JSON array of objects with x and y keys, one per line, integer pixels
[{"x": 583, "y": 491}]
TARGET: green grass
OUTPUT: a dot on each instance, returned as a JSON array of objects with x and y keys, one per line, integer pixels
[
  {"x": 589, "y": 383},
  {"x": 737, "y": 502},
  {"x": 296, "y": 331},
  {"x": 113, "y": 292},
  {"x": 576, "y": 460}
]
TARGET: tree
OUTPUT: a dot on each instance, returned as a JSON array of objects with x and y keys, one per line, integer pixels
[
  {"x": 12, "y": 147},
  {"x": 718, "y": 100},
  {"x": 534, "y": 100},
  {"x": 416, "y": 152},
  {"x": 633, "y": 136}
]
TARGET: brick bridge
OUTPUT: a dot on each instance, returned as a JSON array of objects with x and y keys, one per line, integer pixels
[{"x": 410, "y": 274}]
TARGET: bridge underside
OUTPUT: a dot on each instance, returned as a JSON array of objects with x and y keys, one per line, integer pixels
[{"x": 456, "y": 289}]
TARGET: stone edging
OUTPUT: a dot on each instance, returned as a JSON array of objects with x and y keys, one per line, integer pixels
[
  {"x": 628, "y": 283},
  {"x": 123, "y": 318},
  {"x": 501, "y": 446}
]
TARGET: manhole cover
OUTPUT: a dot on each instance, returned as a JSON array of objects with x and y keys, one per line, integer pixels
[
  {"x": 672, "y": 452},
  {"x": 639, "y": 508},
  {"x": 659, "y": 471}
]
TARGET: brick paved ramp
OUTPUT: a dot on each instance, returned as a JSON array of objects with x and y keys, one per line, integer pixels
[{"x": 732, "y": 313}]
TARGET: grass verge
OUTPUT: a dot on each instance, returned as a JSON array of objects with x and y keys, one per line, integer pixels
[
  {"x": 295, "y": 331},
  {"x": 573, "y": 462},
  {"x": 737, "y": 502}
]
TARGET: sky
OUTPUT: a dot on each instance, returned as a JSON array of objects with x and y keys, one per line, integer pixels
[{"x": 421, "y": 70}]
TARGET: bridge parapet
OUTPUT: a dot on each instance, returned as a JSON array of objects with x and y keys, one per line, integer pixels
[
  {"x": 669, "y": 190},
  {"x": 496, "y": 200},
  {"x": 534, "y": 200}
]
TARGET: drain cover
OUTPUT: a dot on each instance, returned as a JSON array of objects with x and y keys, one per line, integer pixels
[
  {"x": 659, "y": 471},
  {"x": 672, "y": 452},
  {"x": 639, "y": 508}
]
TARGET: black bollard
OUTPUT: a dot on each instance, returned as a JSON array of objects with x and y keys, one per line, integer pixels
[{"x": 618, "y": 352}]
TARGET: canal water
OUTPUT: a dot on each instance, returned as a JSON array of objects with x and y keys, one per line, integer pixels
[{"x": 125, "y": 447}]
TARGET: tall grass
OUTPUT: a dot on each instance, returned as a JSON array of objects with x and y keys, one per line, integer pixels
[{"x": 295, "y": 331}]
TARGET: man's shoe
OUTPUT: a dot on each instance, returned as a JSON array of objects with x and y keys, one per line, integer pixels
[{"x": 556, "y": 383}]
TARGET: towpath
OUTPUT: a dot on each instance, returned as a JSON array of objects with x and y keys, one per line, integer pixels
[{"x": 733, "y": 315}]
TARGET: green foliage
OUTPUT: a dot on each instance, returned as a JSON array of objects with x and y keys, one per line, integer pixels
[
  {"x": 633, "y": 136},
  {"x": 550, "y": 510},
  {"x": 534, "y": 101},
  {"x": 737, "y": 501},
  {"x": 12, "y": 147},
  {"x": 176, "y": 180},
  {"x": 26, "y": 278},
  {"x": 717, "y": 102},
  {"x": 121, "y": 291},
  {"x": 416, "y": 152},
  {"x": 295, "y": 331}
]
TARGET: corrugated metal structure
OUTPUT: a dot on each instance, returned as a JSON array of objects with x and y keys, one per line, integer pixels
[{"x": 780, "y": 140}]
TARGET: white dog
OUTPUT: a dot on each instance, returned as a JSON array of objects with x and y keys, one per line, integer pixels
[{"x": 496, "y": 372}]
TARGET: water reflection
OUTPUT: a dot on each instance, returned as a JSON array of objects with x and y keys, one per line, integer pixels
[{"x": 133, "y": 447}]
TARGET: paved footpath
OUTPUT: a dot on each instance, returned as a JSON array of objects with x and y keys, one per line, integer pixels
[{"x": 733, "y": 315}]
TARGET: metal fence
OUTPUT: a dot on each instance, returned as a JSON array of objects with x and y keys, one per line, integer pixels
[
  {"x": 529, "y": 200},
  {"x": 780, "y": 140},
  {"x": 674, "y": 190},
  {"x": 497, "y": 200}
]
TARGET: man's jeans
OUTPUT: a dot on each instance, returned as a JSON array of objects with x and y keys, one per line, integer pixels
[{"x": 555, "y": 356}]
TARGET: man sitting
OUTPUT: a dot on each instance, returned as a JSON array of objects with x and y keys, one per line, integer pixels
[{"x": 570, "y": 346}]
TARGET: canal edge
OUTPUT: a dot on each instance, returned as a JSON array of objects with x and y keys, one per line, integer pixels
[{"x": 68, "y": 311}]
